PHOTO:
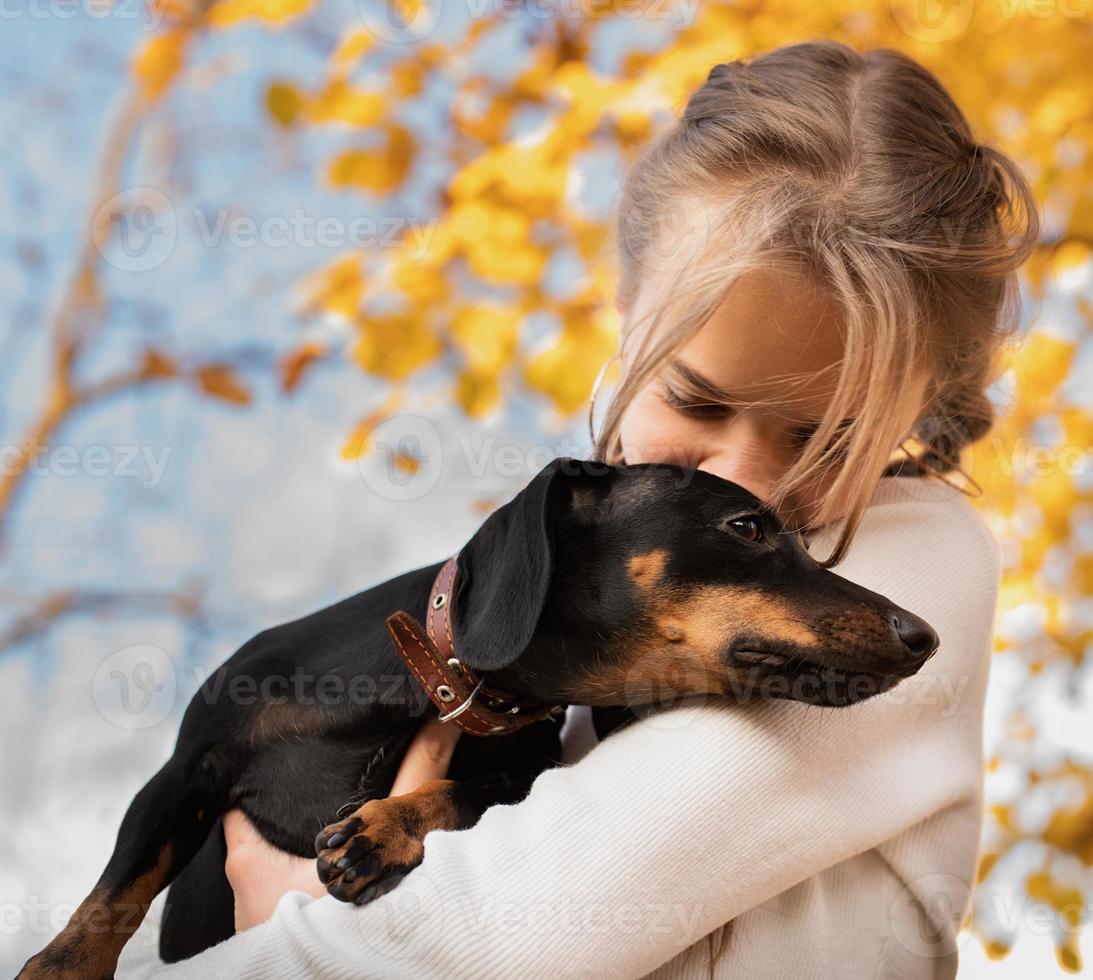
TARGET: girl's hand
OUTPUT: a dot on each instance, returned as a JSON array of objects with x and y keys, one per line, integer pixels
[{"x": 260, "y": 874}]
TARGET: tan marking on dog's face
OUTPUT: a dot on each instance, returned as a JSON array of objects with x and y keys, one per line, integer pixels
[
  {"x": 711, "y": 615},
  {"x": 679, "y": 649},
  {"x": 647, "y": 569}
]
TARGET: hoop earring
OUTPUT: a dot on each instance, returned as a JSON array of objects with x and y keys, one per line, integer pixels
[
  {"x": 969, "y": 479},
  {"x": 925, "y": 469},
  {"x": 595, "y": 390}
]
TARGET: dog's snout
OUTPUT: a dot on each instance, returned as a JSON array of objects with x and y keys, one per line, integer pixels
[{"x": 915, "y": 634}]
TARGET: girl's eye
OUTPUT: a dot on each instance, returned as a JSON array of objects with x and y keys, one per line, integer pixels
[
  {"x": 704, "y": 410},
  {"x": 747, "y": 527}
]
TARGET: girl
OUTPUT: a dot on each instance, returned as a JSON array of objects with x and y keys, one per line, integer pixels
[{"x": 818, "y": 269}]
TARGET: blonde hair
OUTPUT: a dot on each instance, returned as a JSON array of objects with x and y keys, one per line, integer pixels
[{"x": 858, "y": 171}]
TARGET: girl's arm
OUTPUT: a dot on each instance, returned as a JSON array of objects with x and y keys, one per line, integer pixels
[{"x": 683, "y": 820}]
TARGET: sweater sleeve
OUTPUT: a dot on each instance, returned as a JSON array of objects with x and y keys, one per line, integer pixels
[{"x": 681, "y": 821}]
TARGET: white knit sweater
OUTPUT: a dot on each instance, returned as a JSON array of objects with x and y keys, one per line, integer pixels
[{"x": 839, "y": 842}]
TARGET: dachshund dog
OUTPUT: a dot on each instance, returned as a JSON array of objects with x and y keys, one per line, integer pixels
[{"x": 597, "y": 585}]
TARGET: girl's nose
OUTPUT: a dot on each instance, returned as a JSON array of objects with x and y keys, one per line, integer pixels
[{"x": 745, "y": 453}]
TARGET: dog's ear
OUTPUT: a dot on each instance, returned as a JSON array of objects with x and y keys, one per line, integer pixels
[{"x": 504, "y": 572}]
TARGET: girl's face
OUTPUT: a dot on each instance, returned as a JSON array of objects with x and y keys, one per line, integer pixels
[{"x": 774, "y": 338}]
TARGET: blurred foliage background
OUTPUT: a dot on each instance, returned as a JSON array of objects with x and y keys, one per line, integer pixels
[{"x": 239, "y": 235}]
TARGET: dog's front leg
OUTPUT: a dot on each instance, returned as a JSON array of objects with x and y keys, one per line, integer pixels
[
  {"x": 373, "y": 849},
  {"x": 163, "y": 828}
]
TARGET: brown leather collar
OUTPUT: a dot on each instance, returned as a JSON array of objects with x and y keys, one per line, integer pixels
[{"x": 454, "y": 687}]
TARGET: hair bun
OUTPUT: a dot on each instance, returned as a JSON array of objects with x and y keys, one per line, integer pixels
[{"x": 723, "y": 71}]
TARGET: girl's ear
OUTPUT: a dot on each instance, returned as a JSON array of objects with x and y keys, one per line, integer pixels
[{"x": 504, "y": 572}]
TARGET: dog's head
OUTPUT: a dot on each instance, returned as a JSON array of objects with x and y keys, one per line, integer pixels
[{"x": 612, "y": 585}]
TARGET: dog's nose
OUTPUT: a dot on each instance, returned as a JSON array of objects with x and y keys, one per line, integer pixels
[{"x": 915, "y": 634}]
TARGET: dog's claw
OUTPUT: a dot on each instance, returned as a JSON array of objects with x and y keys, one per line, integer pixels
[{"x": 336, "y": 834}]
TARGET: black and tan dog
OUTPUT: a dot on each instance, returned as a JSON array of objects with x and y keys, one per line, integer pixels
[{"x": 598, "y": 585}]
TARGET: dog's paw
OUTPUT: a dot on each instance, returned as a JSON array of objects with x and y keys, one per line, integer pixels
[{"x": 370, "y": 852}]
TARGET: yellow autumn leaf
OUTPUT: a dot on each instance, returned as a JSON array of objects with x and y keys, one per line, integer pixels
[
  {"x": 351, "y": 48},
  {"x": 284, "y": 103},
  {"x": 160, "y": 61},
  {"x": 520, "y": 265},
  {"x": 421, "y": 281},
  {"x": 276, "y": 13},
  {"x": 1042, "y": 364},
  {"x": 219, "y": 380},
  {"x": 156, "y": 364},
  {"x": 1071, "y": 829},
  {"x": 1068, "y": 954},
  {"x": 378, "y": 171},
  {"x": 485, "y": 333},
  {"x": 340, "y": 102},
  {"x": 478, "y": 393},
  {"x": 996, "y": 950},
  {"x": 394, "y": 345},
  {"x": 407, "y": 78},
  {"x": 338, "y": 289},
  {"x": 986, "y": 866},
  {"x": 295, "y": 364},
  {"x": 359, "y": 440},
  {"x": 566, "y": 370}
]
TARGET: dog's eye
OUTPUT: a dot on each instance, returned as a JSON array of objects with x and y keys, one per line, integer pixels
[{"x": 746, "y": 527}]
